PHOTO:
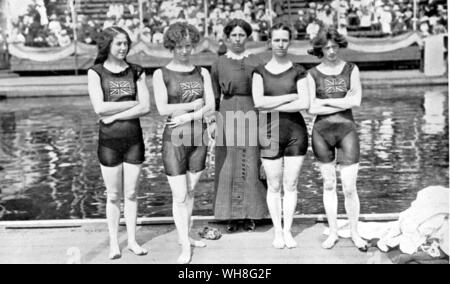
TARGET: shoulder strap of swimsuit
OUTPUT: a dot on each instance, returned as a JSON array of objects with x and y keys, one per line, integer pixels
[{"x": 300, "y": 71}]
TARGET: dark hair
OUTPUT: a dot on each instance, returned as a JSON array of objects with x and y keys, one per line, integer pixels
[
  {"x": 237, "y": 23},
  {"x": 322, "y": 38},
  {"x": 104, "y": 41},
  {"x": 178, "y": 32},
  {"x": 280, "y": 26}
]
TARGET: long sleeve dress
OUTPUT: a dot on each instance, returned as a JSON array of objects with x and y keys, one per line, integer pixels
[{"x": 239, "y": 192}]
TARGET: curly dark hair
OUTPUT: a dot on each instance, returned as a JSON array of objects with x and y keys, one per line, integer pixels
[
  {"x": 237, "y": 23},
  {"x": 105, "y": 40},
  {"x": 280, "y": 26},
  {"x": 322, "y": 38},
  {"x": 178, "y": 32}
]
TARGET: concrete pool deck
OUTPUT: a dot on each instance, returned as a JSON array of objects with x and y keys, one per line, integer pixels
[
  {"x": 88, "y": 244},
  {"x": 48, "y": 86}
]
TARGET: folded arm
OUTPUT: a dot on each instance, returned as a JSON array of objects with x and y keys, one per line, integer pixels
[
  {"x": 267, "y": 102},
  {"x": 317, "y": 106},
  {"x": 161, "y": 98},
  {"x": 101, "y": 107},
  {"x": 353, "y": 96},
  {"x": 141, "y": 109},
  {"x": 208, "y": 107},
  {"x": 302, "y": 101}
]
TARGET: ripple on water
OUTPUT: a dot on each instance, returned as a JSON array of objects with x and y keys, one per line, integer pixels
[{"x": 49, "y": 167}]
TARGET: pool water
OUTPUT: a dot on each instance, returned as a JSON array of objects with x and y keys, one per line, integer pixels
[{"x": 49, "y": 167}]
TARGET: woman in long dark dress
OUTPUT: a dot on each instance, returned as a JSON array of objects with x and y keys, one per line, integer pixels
[{"x": 239, "y": 193}]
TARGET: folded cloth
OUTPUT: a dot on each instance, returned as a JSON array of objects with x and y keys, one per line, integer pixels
[{"x": 210, "y": 233}]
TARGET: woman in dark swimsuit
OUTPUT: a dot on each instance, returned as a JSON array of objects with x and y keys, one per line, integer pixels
[
  {"x": 335, "y": 88},
  {"x": 119, "y": 95},
  {"x": 279, "y": 88},
  {"x": 184, "y": 93}
]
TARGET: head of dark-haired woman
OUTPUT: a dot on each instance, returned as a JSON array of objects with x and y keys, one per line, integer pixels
[
  {"x": 181, "y": 39},
  {"x": 280, "y": 39},
  {"x": 327, "y": 43},
  {"x": 237, "y": 32},
  {"x": 114, "y": 42}
]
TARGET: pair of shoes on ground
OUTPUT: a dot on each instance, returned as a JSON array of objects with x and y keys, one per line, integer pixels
[{"x": 248, "y": 225}]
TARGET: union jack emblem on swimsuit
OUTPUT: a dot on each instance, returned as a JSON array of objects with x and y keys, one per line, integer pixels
[
  {"x": 120, "y": 88},
  {"x": 335, "y": 85},
  {"x": 190, "y": 91}
]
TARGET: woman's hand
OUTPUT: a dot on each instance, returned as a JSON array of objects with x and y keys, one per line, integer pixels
[
  {"x": 211, "y": 128},
  {"x": 107, "y": 119},
  {"x": 180, "y": 120}
]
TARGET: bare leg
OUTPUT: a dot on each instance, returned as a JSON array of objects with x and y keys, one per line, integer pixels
[
  {"x": 179, "y": 187},
  {"x": 192, "y": 180},
  {"x": 274, "y": 175},
  {"x": 292, "y": 167},
  {"x": 349, "y": 175},
  {"x": 113, "y": 177},
  {"x": 330, "y": 202},
  {"x": 130, "y": 181}
]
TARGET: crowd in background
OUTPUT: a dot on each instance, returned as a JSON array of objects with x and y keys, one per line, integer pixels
[
  {"x": 372, "y": 17},
  {"x": 44, "y": 25}
]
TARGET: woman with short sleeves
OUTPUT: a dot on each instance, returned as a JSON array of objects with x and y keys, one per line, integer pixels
[
  {"x": 280, "y": 90},
  {"x": 239, "y": 193},
  {"x": 119, "y": 95},
  {"x": 183, "y": 92},
  {"x": 335, "y": 88}
]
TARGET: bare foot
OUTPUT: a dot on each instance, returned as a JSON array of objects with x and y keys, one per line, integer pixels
[
  {"x": 195, "y": 243},
  {"x": 359, "y": 243},
  {"x": 114, "y": 251},
  {"x": 289, "y": 240},
  {"x": 278, "y": 241},
  {"x": 137, "y": 249},
  {"x": 330, "y": 242},
  {"x": 185, "y": 256}
]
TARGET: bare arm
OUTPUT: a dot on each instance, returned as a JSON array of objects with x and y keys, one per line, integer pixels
[
  {"x": 141, "y": 109},
  {"x": 206, "y": 109},
  {"x": 161, "y": 98},
  {"x": 266, "y": 102},
  {"x": 353, "y": 97},
  {"x": 316, "y": 105},
  {"x": 101, "y": 107},
  {"x": 301, "y": 103}
]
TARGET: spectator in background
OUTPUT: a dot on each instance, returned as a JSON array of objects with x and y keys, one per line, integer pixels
[
  {"x": 146, "y": 35},
  {"x": 300, "y": 25},
  {"x": 398, "y": 25},
  {"x": 64, "y": 38},
  {"x": 365, "y": 23},
  {"x": 158, "y": 37},
  {"x": 424, "y": 25},
  {"x": 54, "y": 25},
  {"x": 313, "y": 29},
  {"x": 342, "y": 27},
  {"x": 386, "y": 20}
]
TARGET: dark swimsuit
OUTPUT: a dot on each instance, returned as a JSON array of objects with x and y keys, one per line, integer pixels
[
  {"x": 337, "y": 130},
  {"x": 120, "y": 141},
  {"x": 288, "y": 135},
  {"x": 186, "y": 150}
]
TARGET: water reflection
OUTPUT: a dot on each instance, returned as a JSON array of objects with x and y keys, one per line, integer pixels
[
  {"x": 49, "y": 168},
  {"x": 434, "y": 116}
]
